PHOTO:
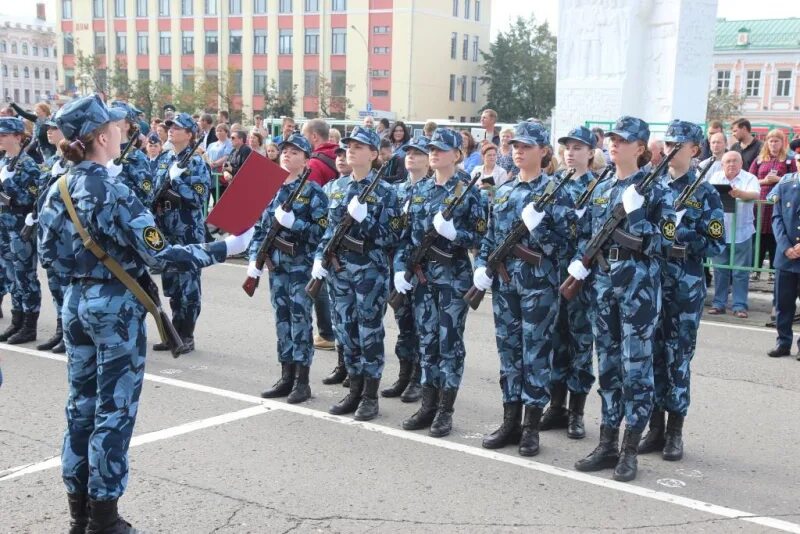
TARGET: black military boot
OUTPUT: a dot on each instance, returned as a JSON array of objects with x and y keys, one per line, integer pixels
[
  {"x": 626, "y": 468},
  {"x": 368, "y": 407},
  {"x": 575, "y": 428},
  {"x": 351, "y": 401},
  {"x": 510, "y": 431},
  {"x": 186, "y": 331},
  {"x": 556, "y": 415},
  {"x": 654, "y": 439},
  {"x": 529, "y": 442},
  {"x": 673, "y": 446},
  {"x": 27, "y": 333},
  {"x": 104, "y": 519},
  {"x": 301, "y": 390},
  {"x": 1, "y": 306},
  {"x": 396, "y": 389},
  {"x": 78, "y": 512},
  {"x": 284, "y": 385},
  {"x": 443, "y": 420},
  {"x": 161, "y": 346},
  {"x": 413, "y": 391},
  {"x": 60, "y": 347},
  {"x": 605, "y": 455},
  {"x": 15, "y": 326},
  {"x": 423, "y": 417},
  {"x": 54, "y": 340},
  {"x": 339, "y": 372}
]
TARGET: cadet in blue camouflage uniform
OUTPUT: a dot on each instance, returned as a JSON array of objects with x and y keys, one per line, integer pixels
[
  {"x": 183, "y": 223},
  {"x": 361, "y": 288},
  {"x": 628, "y": 297},
  {"x": 525, "y": 307},
  {"x": 408, "y": 386},
  {"x": 21, "y": 186},
  {"x": 572, "y": 343},
  {"x": 302, "y": 226},
  {"x": 104, "y": 322},
  {"x": 134, "y": 170},
  {"x": 440, "y": 312},
  {"x": 700, "y": 234}
]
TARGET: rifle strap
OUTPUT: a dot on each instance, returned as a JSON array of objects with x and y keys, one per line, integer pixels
[
  {"x": 110, "y": 263},
  {"x": 329, "y": 162}
]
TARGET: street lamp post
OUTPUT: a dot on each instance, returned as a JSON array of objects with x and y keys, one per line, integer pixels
[{"x": 369, "y": 78}]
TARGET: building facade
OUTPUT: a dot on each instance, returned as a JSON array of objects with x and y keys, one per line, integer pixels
[
  {"x": 403, "y": 58},
  {"x": 28, "y": 62}
]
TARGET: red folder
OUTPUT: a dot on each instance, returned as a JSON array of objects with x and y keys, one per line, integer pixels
[{"x": 245, "y": 199}]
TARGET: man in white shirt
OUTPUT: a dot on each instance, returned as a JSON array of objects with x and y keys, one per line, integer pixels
[
  {"x": 738, "y": 234},
  {"x": 718, "y": 145}
]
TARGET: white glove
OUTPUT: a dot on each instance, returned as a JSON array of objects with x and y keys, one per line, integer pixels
[
  {"x": 678, "y": 217},
  {"x": 57, "y": 169},
  {"x": 406, "y": 206},
  {"x": 400, "y": 283},
  {"x": 5, "y": 174},
  {"x": 357, "y": 210},
  {"x": 445, "y": 228},
  {"x": 631, "y": 199},
  {"x": 531, "y": 217},
  {"x": 580, "y": 212},
  {"x": 577, "y": 270},
  {"x": 284, "y": 218},
  {"x": 318, "y": 271},
  {"x": 29, "y": 220},
  {"x": 481, "y": 280},
  {"x": 176, "y": 172},
  {"x": 113, "y": 170},
  {"x": 238, "y": 243},
  {"x": 252, "y": 270}
]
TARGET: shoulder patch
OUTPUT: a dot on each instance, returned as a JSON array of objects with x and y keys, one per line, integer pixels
[
  {"x": 200, "y": 189},
  {"x": 323, "y": 222},
  {"x": 417, "y": 199},
  {"x": 372, "y": 199},
  {"x": 397, "y": 223},
  {"x": 147, "y": 186},
  {"x": 153, "y": 238},
  {"x": 480, "y": 225},
  {"x": 715, "y": 228},
  {"x": 338, "y": 195},
  {"x": 33, "y": 189},
  {"x": 600, "y": 201},
  {"x": 500, "y": 200},
  {"x": 668, "y": 230}
]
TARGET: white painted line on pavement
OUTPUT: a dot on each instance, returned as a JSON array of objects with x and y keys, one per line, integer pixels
[
  {"x": 150, "y": 437},
  {"x": 741, "y": 327},
  {"x": 693, "y": 504}
]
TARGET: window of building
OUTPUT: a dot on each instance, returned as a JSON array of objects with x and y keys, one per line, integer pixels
[
  {"x": 5, "y": 71},
  {"x": 467, "y": 4},
  {"x": 164, "y": 43},
  {"x": 66, "y": 9},
  {"x": 121, "y": 42},
  {"x": 13, "y": 48},
  {"x": 452, "y": 87},
  {"x": 723, "y": 81},
  {"x": 455, "y": 7},
  {"x": 379, "y": 73},
  {"x": 27, "y": 96},
  {"x": 187, "y": 79},
  {"x": 100, "y": 43},
  {"x": 69, "y": 43},
  {"x": 380, "y": 92},
  {"x": 380, "y": 29},
  {"x": 46, "y": 52},
  {"x": 165, "y": 76},
  {"x": 311, "y": 6},
  {"x": 141, "y": 43},
  {"x": 784, "y": 85},
  {"x": 37, "y": 95},
  {"x": 475, "y": 48},
  {"x": 35, "y": 50},
  {"x": 380, "y": 50},
  {"x": 187, "y": 42},
  {"x": 338, "y": 5},
  {"x": 3, "y": 47},
  {"x": 211, "y": 7},
  {"x": 119, "y": 8},
  {"x": 259, "y": 7},
  {"x": 339, "y": 45},
  {"x": 285, "y": 82},
  {"x": 143, "y": 74},
  {"x": 15, "y": 71},
  {"x": 186, "y": 8},
  {"x": 212, "y": 77},
  {"x": 285, "y": 41},
  {"x": 285, "y": 6},
  {"x": 36, "y": 73},
  {"x": 312, "y": 41},
  {"x": 453, "y": 45},
  {"x": 24, "y": 49},
  {"x": 338, "y": 82},
  {"x": 163, "y": 8},
  {"x": 235, "y": 7},
  {"x": 259, "y": 82},
  {"x": 237, "y": 82},
  {"x": 260, "y": 41},
  {"x": 212, "y": 43},
  {"x": 236, "y": 42},
  {"x": 473, "y": 89},
  {"x": 463, "y": 88},
  {"x": 98, "y": 9},
  {"x": 311, "y": 83},
  {"x": 69, "y": 79},
  {"x": 465, "y": 48},
  {"x": 26, "y": 72},
  {"x": 753, "y": 83},
  {"x": 141, "y": 8},
  {"x": 16, "y": 95}
]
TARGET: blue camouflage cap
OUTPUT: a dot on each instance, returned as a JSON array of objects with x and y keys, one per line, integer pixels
[
  {"x": 531, "y": 133},
  {"x": 11, "y": 125},
  {"x": 131, "y": 113},
  {"x": 631, "y": 129},
  {"x": 85, "y": 115},
  {"x": 51, "y": 121},
  {"x": 364, "y": 136},
  {"x": 445, "y": 139},
  {"x": 582, "y": 134},
  {"x": 298, "y": 141},
  {"x": 419, "y": 142},
  {"x": 154, "y": 139},
  {"x": 182, "y": 120},
  {"x": 680, "y": 131}
]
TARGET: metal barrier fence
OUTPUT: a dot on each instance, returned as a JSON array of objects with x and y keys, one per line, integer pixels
[{"x": 731, "y": 230}]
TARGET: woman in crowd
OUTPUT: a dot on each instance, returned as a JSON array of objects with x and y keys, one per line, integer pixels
[
  {"x": 472, "y": 156},
  {"x": 490, "y": 168},
  {"x": 272, "y": 152},
  {"x": 256, "y": 143}
]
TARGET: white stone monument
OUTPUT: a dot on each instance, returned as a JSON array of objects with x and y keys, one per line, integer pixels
[{"x": 647, "y": 58}]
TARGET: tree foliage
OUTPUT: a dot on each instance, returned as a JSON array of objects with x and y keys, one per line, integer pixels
[
  {"x": 333, "y": 101},
  {"x": 724, "y": 106},
  {"x": 279, "y": 103}
]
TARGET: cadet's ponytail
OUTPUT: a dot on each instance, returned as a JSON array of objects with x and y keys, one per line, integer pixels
[
  {"x": 547, "y": 157},
  {"x": 646, "y": 156},
  {"x": 76, "y": 151}
]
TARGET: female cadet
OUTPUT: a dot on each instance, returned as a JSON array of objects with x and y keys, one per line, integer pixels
[
  {"x": 699, "y": 235},
  {"x": 407, "y": 386},
  {"x": 134, "y": 170},
  {"x": 104, "y": 322},
  {"x": 572, "y": 351},
  {"x": 628, "y": 296},
  {"x": 302, "y": 226},
  {"x": 440, "y": 312},
  {"x": 21, "y": 187},
  {"x": 361, "y": 287},
  {"x": 181, "y": 219},
  {"x": 525, "y": 307}
]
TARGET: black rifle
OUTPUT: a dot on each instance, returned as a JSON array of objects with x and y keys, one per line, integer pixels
[
  {"x": 584, "y": 198},
  {"x": 496, "y": 262},
  {"x": 166, "y": 196},
  {"x": 129, "y": 146},
  {"x": 426, "y": 249},
  {"x": 611, "y": 228},
  {"x": 27, "y": 231},
  {"x": 5, "y": 199},
  {"x": 172, "y": 337},
  {"x": 679, "y": 251},
  {"x": 341, "y": 238},
  {"x": 273, "y": 240}
]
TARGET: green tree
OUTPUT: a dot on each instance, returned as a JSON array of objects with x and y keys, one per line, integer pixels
[
  {"x": 118, "y": 84},
  {"x": 89, "y": 76},
  {"x": 279, "y": 103},
  {"x": 520, "y": 70},
  {"x": 333, "y": 100},
  {"x": 150, "y": 97},
  {"x": 723, "y": 106}
]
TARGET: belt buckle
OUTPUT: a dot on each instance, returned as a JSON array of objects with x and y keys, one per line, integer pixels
[
  {"x": 613, "y": 254},
  {"x": 167, "y": 205}
]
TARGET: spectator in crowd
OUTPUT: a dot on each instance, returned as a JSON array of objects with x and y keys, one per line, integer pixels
[
  {"x": 714, "y": 127},
  {"x": 384, "y": 151},
  {"x": 168, "y": 112},
  {"x": 488, "y": 122},
  {"x": 746, "y": 144},
  {"x": 369, "y": 122},
  {"x": 154, "y": 124},
  {"x": 259, "y": 126},
  {"x": 794, "y": 147},
  {"x": 273, "y": 153},
  {"x": 383, "y": 128},
  {"x": 196, "y": 118},
  {"x": 598, "y": 162},
  {"x": 718, "y": 145},
  {"x": 207, "y": 130},
  {"x": 239, "y": 154},
  {"x": 41, "y": 112},
  {"x": 745, "y": 189},
  {"x": 335, "y": 136},
  {"x": 472, "y": 156},
  {"x": 342, "y": 167},
  {"x": 256, "y": 143},
  {"x": 601, "y": 136},
  {"x": 490, "y": 168},
  {"x": 287, "y": 129},
  {"x": 7, "y": 112},
  {"x": 400, "y": 136},
  {"x": 223, "y": 117},
  {"x": 656, "y": 148},
  {"x": 153, "y": 152},
  {"x": 236, "y": 127},
  {"x": 769, "y": 166},
  {"x": 163, "y": 132},
  {"x": 217, "y": 155},
  {"x": 429, "y": 128},
  {"x": 144, "y": 128},
  {"x": 505, "y": 155}
]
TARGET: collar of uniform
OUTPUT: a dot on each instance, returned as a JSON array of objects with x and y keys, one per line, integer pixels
[
  {"x": 629, "y": 180},
  {"x": 684, "y": 179},
  {"x": 533, "y": 183},
  {"x": 450, "y": 184},
  {"x": 87, "y": 165},
  {"x": 366, "y": 180}
]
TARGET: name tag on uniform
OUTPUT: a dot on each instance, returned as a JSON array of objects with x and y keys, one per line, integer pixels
[
  {"x": 337, "y": 196},
  {"x": 694, "y": 204},
  {"x": 418, "y": 199},
  {"x": 500, "y": 200},
  {"x": 600, "y": 201}
]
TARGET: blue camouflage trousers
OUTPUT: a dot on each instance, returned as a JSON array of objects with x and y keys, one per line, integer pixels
[
  {"x": 292, "y": 307},
  {"x": 104, "y": 332},
  {"x": 440, "y": 315},
  {"x": 572, "y": 342},
  {"x": 19, "y": 262},
  {"x": 359, "y": 294},
  {"x": 57, "y": 285},
  {"x": 683, "y": 291},
  {"x": 406, "y": 346},
  {"x": 524, "y": 318},
  {"x": 184, "y": 291},
  {"x": 628, "y": 304}
]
